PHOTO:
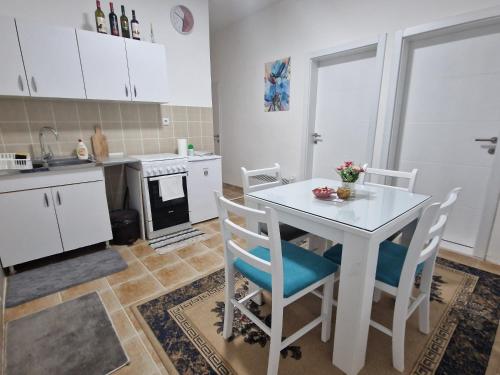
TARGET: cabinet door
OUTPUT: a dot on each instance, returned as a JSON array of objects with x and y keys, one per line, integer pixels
[
  {"x": 51, "y": 60},
  {"x": 204, "y": 178},
  {"x": 147, "y": 66},
  {"x": 12, "y": 76},
  {"x": 82, "y": 213},
  {"x": 29, "y": 226},
  {"x": 104, "y": 66}
]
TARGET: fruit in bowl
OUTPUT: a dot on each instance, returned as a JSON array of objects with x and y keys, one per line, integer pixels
[
  {"x": 323, "y": 192},
  {"x": 343, "y": 192}
]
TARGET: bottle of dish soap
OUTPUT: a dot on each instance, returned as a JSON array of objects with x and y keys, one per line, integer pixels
[{"x": 81, "y": 150}]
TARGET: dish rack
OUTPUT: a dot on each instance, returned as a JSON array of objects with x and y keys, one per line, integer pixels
[{"x": 9, "y": 161}]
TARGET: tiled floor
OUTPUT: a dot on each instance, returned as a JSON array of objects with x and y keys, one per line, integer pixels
[{"x": 152, "y": 274}]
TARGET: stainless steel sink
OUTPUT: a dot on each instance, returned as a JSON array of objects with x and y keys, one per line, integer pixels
[{"x": 67, "y": 162}]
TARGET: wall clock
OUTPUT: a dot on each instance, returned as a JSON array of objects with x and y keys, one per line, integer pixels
[{"x": 182, "y": 19}]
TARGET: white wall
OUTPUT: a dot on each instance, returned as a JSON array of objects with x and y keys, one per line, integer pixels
[
  {"x": 188, "y": 56},
  {"x": 293, "y": 28}
]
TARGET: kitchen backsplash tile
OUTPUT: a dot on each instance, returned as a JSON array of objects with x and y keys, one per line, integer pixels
[{"x": 131, "y": 128}]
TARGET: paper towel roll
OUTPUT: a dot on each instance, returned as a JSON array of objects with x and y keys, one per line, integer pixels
[{"x": 182, "y": 147}]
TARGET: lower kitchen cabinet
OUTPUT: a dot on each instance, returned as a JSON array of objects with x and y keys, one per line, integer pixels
[
  {"x": 29, "y": 227},
  {"x": 205, "y": 177},
  {"x": 41, "y": 222},
  {"x": 82, "y": 213}
]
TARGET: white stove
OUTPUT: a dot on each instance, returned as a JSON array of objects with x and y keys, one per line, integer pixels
[
  {"x": 160, "y": 216},
  {"x": 161, "y": 164}
]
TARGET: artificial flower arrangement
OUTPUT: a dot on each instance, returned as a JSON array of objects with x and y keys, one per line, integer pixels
[{"x": 349, "y": 172}]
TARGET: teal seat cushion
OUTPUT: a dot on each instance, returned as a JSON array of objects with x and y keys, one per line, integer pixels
[
  {"x": 301, "y": 268},
  {"x": 391, "y": 258}
]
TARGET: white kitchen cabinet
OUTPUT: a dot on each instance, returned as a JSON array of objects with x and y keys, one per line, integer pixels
[
  {"x": 51, "y": 60},
  {"x": 204, "y": 177},
  {"x": 104, "y": 66},
  {"x": 28, "y": 226},
  {"x": 147, "y": 64},
  {"x": 12, "y": 75},
  {"x": 82, "y": 213}
]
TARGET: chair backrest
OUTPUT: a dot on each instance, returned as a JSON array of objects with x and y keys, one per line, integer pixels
[
  {"x": 274, "y": 173},
  {"x": 409, "y": 176},
  {"x": 272, "y": 241},
  {"x": 424, "y": 245}
]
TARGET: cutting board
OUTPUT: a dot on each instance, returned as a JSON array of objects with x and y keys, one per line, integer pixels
[{"x": 100, "y": 144}]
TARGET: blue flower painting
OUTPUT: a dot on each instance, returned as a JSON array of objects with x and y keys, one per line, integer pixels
[{"x": 277, "y": 85}]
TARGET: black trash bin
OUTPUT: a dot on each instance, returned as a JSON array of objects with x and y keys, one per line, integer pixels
[{"x": 125, "y": 226}]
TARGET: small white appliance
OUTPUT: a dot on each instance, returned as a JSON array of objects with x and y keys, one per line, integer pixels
[{"x": 160, "y": 216}]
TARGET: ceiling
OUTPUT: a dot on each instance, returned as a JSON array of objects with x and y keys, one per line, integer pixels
[{"x": 226, "y": 12}]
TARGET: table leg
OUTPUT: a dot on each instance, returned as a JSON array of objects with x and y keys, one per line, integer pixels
[
  {"x": 407, "y": 233},
  {"x": 357, "y": 280}
]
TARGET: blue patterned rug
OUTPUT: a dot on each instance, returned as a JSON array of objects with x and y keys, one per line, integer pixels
[{"x": 185, "y": 327}]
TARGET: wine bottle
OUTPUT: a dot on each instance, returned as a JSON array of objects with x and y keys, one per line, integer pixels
[
  {"x": 124, "y": 24},
  {"x": 113, "y": 21},
  {"x": 134, "y": 24},
  {"x": 100, "y": 19}
]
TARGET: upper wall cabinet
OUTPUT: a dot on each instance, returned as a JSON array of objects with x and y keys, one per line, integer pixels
[
  {"x": 12, "y": 76},
  {"x": 51, "y": 60},
  {"x": 104, "y": 66},
  {"x": 147, "y": 70}
]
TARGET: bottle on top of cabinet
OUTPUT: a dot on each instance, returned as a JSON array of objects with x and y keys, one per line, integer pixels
[
  {"x": 124, "y": 24},
  {"x": 100, "y": 19},
  {"x": 134, "y": 24},
  {"x": 113, "y": 21}
]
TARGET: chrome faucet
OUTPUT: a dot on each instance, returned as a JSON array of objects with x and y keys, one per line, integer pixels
[{"x": 45, "y": 149}]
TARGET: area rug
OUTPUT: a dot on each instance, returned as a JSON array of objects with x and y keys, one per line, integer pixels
[
  {"x": 177, "y": 240},
  {"x": 42, "y": 281},
  {"x": 185, "y": 326},
  {"x": 75, "y": 337}
]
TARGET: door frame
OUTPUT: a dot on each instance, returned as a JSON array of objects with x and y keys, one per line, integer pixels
[
  {"x": 392, "y": 133},
  {"x": 216, "y": 115},
  {"x": 376, "y": 44}
]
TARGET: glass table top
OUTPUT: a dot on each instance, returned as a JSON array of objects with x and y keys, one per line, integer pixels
[{"x": 372, "y": 207}]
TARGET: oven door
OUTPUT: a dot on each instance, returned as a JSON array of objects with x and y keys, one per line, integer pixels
[{"x": 165, "y": 217}]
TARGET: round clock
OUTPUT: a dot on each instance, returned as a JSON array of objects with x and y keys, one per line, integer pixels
[{"x": 182, "y": 19}]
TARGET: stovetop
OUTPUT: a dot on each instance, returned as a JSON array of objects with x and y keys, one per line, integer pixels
[{"x": 157, "y": 157}]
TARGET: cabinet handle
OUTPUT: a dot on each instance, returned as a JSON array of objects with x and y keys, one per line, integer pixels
[
  {"x": 205, "y": 172},
  {"x": 135, "y": 91},
  {"x": 126, "y": 90},
  {"x": 33, "y": 84},
  {"x": 59, "y": 201},
  {"x": 46, "y": 200},
  {"x": 20, "y": 81}
]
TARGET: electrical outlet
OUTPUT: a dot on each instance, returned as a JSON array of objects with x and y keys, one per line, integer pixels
[{"x": 165, "y": 121}]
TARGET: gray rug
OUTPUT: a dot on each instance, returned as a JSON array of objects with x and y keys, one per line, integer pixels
[
  {"x": 75, "y": 337},
  {"x": 42, "y": 281}
]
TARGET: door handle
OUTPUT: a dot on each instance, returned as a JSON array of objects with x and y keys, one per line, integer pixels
[
  {"x": 205, "y": 172},
  {"x": 46, "y": 198},
  {"x": 20, "y": 81},
  {"x": 126, "y": 90},
  {"x": 493, "y": 140},
  {"x": 135, "y": 91},
  {"x": 59, "y": 201},
  {"x": 316, "y": 138},
  {"x": 33, "y": 84}
]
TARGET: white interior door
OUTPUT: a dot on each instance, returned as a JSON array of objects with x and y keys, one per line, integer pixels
[
  {"x": 12, "y": 74},
  {"x": 104, "y": 66},
  {"x": 51, "y": 60},
  {"x": 452, "y": 96},
  {"x": 345, "y": 112},
  {"x": 147, "y": 64}
]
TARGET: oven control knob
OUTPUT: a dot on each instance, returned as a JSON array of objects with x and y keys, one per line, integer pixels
[
  {"x": 161, "y": 170},
  {"x": 147, "y": 173},
  {"x": 169, "y": 170}
]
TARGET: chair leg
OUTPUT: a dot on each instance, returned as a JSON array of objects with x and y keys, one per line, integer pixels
[
  {"x": 377, "y": 293},
  {"x": 276, "y": 332},
  {"x": 228, "y": 305},
  {"x": 258, "y": 297},
  {"x": 326, "y": 309},
  {"x": 423, "y": 315},
  {"x": 398, "y": 338}
]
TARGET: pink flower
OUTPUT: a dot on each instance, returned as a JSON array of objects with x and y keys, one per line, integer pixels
[{"x": 348, "y": 163}]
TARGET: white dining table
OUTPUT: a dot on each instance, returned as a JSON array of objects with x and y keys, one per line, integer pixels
[{"x": 360, "y": 224}]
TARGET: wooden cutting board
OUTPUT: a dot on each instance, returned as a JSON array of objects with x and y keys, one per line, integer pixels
[{"x": 100, "y": 144}]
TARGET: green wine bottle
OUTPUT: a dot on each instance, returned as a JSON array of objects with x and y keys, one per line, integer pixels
[
  {"x": 124, "y": 24},
  {"x": 100, "y": 19}
]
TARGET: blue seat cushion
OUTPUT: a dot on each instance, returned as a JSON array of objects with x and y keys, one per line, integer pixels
[
  {"x": 391, "y": 258},
  {"x": 301, "y": 268}
]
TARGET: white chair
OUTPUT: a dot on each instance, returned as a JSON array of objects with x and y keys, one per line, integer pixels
[
  {"x": 285, "y": 270},
  {"x": 266, "y": 178},
  {"x": 409, "y": 176},
  {"x": 397, "y": 267}
]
